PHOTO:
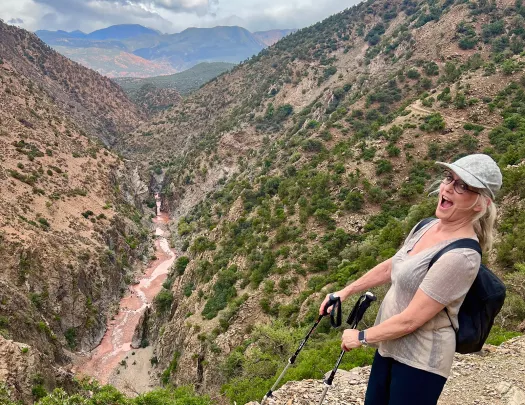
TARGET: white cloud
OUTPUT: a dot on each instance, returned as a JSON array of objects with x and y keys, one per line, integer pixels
[{"x": 168, "y": 15}]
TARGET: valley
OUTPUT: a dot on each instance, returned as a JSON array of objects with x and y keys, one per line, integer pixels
[{"x": 176, "y": 247}]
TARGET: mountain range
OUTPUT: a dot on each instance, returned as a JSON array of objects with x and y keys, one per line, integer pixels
[{"x": 133, "y": 50}]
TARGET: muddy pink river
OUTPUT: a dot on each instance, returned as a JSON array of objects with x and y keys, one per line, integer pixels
[{"x": 116, "y": 343}]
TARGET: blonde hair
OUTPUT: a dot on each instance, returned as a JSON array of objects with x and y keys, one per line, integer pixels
[{"x": 484, "y": 220}]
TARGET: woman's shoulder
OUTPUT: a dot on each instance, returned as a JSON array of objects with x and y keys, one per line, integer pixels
[
  {"x": 463, "y": 256},
  {"x": 420, "y": 228}
]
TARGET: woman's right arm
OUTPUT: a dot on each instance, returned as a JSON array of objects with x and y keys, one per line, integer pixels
[{"x": 378, "y": 275}]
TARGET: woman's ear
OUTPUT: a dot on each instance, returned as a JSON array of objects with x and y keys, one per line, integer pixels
[{"x": 478, "y": 207}]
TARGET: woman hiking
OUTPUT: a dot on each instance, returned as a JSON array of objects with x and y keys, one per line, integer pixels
[{"x": 413, "y": 334}]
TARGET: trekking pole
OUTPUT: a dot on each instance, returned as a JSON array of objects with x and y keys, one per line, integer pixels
[
  {"x": 353, "y": 320},
  {"x": 335, "y": 320}
]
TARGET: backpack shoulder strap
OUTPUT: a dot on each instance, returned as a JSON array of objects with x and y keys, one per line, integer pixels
[
  {"x": 468, "y": 243},
  {"x": 460, "y": 243},
  {"x": 422, "y": 223}
]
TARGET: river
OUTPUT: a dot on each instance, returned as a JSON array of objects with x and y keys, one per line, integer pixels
[{"x": 116, "y": 343}]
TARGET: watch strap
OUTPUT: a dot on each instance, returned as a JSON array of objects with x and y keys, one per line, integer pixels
[{"x": 361, "y": 337}]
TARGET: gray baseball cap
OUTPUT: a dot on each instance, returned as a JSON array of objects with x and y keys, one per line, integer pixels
[{"x": 478, "y": 170}]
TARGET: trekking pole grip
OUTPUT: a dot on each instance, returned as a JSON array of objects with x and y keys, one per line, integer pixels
[{"x": 335, "y": 315}]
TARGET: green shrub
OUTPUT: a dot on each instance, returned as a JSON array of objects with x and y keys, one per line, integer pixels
[
  {"x": 312, "y": 145},
  {"x": 431, "y": 69},
  {"x": 181, "y": 264},
  {"x": 489, "y": 31},
  {"x": 171, "y": 369},
  {"x": 223, "y": 291},
  {"x": 71, "y": 337},
  {"x": 329, "y": 71},
  {"x": 354, "y": 201},
  {"x": 498, "y": 335},
  {"x": 413, "y": 74},
  {"x": 163, "y": 300},
  {"x": 172, "y": 396},
  {"x": 383, "y": 166},
  {"x": 87, "y": 214},
  {"x": 392, "y": 150},
  {"x": 433, "y": 122},
  {"x": 467, "y": 35},
  {"x": 202, "y": 244},
  {"x": 188, "y": 289}
]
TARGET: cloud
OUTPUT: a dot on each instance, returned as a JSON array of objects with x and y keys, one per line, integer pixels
[
  {"x": 169, "y": 16},
  {"x": 15, "y": 21},
  {"x": 89, "y": 15}
]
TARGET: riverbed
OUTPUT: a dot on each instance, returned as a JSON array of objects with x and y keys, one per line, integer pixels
[{"x": 115, "y": 353}]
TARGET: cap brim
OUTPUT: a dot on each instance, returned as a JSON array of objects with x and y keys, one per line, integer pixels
[{"x": 468, "y": 178}]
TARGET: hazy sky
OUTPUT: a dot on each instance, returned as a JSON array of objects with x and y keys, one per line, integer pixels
[{"x": 167, "y": 15}]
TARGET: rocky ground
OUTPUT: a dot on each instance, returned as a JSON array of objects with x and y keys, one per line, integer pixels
[{"x": 495, "y": 377}]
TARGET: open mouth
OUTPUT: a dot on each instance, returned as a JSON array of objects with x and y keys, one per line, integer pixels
[{"x": 445, "y": 203}]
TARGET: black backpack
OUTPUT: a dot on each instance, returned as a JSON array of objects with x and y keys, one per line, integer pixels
[{"x": 482, "y": 302}]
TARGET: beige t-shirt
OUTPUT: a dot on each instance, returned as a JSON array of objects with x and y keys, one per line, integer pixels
[{"x": 431, "y": 347}]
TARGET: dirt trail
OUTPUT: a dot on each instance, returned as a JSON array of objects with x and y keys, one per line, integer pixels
[
  {"x": 116, "y": 343},
  {"x": 419, "y": 109}
]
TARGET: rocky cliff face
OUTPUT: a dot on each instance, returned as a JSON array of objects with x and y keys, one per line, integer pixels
[
  {"x": 494, "y": 377},
  {"x": 23, "y": 368},
  {"x": 70, "y": 233}
]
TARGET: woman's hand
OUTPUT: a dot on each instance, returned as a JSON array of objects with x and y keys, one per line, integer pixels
[
  {"x": 350, "y": 340},
  {"x": 325, "y": 301}
]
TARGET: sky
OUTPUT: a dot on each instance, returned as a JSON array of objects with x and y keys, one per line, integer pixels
[{"x": 168, "y": 16}]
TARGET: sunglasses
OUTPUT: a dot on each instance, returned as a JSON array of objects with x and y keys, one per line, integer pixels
[{"x": 460, "y": 186}]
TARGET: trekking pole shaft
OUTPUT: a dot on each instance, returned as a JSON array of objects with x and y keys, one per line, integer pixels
[
  {"x": 292, "y": 359},
  {"x": 328, "y": 382},
  {"x": 325, "y": 390},
  {"x": 274, "y": 386}
]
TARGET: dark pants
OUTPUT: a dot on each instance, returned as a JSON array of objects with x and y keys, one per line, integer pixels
[{"x": 394, "y": 383}]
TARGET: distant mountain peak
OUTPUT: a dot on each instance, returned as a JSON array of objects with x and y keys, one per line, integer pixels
[{"x": 122, "y": 31}]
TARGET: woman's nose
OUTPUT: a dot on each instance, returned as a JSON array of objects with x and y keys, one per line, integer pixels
[{"x": 450, "y": 186}]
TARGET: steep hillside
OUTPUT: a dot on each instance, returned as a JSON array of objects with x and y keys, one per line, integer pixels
[
  {"x": 95, "y": 103},
  {"x": 307, "y": 165},
  {"x": 184, "y": 82},
  {"x": 153, "y": 99},
  {"x": 70, "y": 235}
]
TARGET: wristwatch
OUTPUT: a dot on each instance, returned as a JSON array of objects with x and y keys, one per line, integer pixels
[{"x": 361, "y": 337}]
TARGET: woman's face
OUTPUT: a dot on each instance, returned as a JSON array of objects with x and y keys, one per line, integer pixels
[{"x": 456, "y": 199}]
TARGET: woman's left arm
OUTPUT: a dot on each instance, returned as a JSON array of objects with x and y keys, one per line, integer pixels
[{"x": 421, "y": 309}]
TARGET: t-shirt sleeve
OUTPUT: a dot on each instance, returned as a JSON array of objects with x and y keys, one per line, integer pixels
[{"x": 451, "y": 276}]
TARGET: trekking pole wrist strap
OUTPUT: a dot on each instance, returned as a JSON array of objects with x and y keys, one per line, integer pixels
[{"x": 335, "y": 314}]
